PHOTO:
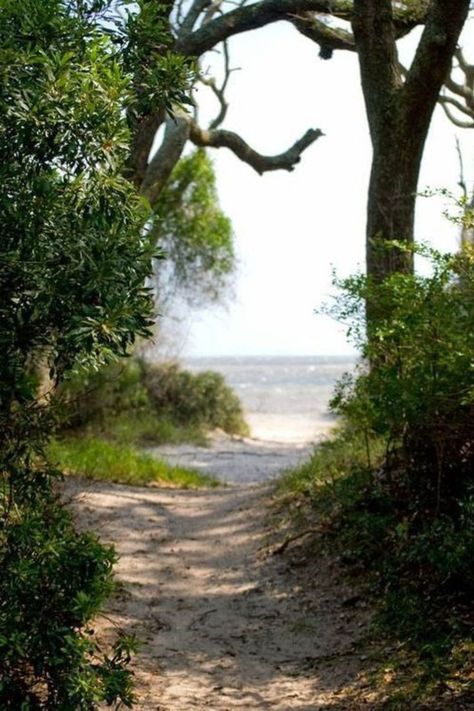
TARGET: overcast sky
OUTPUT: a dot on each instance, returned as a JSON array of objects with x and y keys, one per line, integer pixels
[{"x": 291, "y": 229}]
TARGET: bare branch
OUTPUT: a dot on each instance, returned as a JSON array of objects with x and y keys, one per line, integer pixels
[
  {"x": 191, "y": 18},
  {"x": 451, "y": 116},
  {"x": 462, "y": 181},
  {"x": 260, "y": 163},
  {"x": 251, "y": 17},
  {"x": 444, "y": 99},
  {"x": 329, "y": 38},
  {"x": 212, "y": 10},
  {"x": 332, "y": 38},
  {"x": 432, "y": 62},
  {"x": 462, "y": 90},
  {"x": 219, "y": 92},
  {"x": 464, "y": 65}
]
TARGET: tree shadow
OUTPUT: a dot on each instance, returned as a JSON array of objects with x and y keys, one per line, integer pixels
[{"x": 220, "y": 622}]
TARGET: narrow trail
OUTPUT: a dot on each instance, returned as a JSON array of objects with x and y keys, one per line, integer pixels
[{"x": 225, "y": 625}]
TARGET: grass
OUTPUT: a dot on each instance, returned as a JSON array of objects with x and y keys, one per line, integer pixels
[
  {"x": 102, "y": 460},
  {"x": 415, "y": 568},
  {"x": 141, "y": 428}
]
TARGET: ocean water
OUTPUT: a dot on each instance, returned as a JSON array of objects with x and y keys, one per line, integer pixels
[{"x": 285, "y": 398}]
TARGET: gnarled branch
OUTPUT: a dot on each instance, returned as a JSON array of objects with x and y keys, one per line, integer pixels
[
  {"x": 197, "y": 7},
  {"x": 463, "y": 100},
  {"x": 251, "y": 17},
  {"x": 445, "y": 102},
  {"x": 260, "y": 163},
  {"x": 329, "y": 38}
]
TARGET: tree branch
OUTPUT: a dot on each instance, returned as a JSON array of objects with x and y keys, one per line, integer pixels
[
  {"x": 444, "y": 99},
  {"x": 328, "y": 38},
  {"x": 192, "y": 16},
  {"x": 260, "y": 163},
  {"x": 251, "y": 17},
  {"x": 219, "y": 91},
  {"x": 432, "y": 62},
  {"x": 143, "y": 137},
  {"x": 165, "y": 158},
  {"x": 452, "y": 117},
  {"x": 374, "y": 33},
  {"x": 333, "y": 38}
]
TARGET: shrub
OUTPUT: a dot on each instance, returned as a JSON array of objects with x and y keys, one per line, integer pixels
[
  {"x": 194, "y": 398},
  {"x": 419, "y": 391},
  {"x": 401, "y": 513},
  {"x": 92, "y": 396},
  {"x": 415, "y": 567},
  {"x": 141, "y": 404},
  {"x": 52, "y": 581},
  {"x": 394, "y": 488}
]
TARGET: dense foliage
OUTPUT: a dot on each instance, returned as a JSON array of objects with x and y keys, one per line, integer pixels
[
  {"x": 143, "y": 403},
  {"x": 393, "y": 489},
  {"x": 419, "y": 390},
  {"x": 202, "y": 398},
  {"x": 73, "y": 263}
]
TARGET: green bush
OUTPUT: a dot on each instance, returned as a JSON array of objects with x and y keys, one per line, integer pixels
[
  {"x": 393, "y": 490},
  {"x": 141, "y": 403},
  {"x": 52, "y": 581},
  {"x": 201, "y": 399},
  {"x": 414, "y": 567},
  {"x": 96, "y": 395},
  {"x": 419, "y": 391}
]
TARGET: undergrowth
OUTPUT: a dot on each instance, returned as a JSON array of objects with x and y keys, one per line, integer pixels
[
  {"x": 109, "y": 461},
  {"x": 108, "y": 416},
  {"x": 394, "y": 489},
  {"x": 143, "y": 404},
  {"x": 416, "y": 570}
]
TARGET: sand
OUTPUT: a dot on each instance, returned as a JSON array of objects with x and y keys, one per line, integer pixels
[
  {"x": 226, "y": 624},
  {"x": 237, "y": 460}
]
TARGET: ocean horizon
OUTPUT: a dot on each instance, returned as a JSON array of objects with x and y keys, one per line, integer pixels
[{"x": 285, "y": 398}]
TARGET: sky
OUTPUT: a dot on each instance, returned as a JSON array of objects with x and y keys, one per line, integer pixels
[{"x": 293, "y": 229}]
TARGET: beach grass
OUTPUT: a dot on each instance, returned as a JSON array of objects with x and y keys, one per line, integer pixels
[{"x": 101, "y": 460}]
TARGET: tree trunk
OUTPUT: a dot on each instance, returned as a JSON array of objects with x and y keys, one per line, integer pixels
[
  {"x": 391, "y": 205},
  {"x": 399, "y": 114}
]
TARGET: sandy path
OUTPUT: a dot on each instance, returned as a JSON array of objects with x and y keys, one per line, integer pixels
[
  {"x": 237, "y": 460},
  {"x": 224, "y": 625}
]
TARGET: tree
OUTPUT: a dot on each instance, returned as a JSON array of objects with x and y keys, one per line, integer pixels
[
  {"x": 194, "y": 235},
  {"x": 399, "y": 107},
  {"x": 74, "y": 259}
]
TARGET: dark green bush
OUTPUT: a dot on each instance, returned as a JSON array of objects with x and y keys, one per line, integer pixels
[
  {"x": 394, "y": 488},
  {"x": 194, "y": 398},
  {"x": 52, "y": 581},
  {"x": 149, "y": 402},
  {"x": 419, "y": 391},
  {"x": 92, "y": 396}
]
